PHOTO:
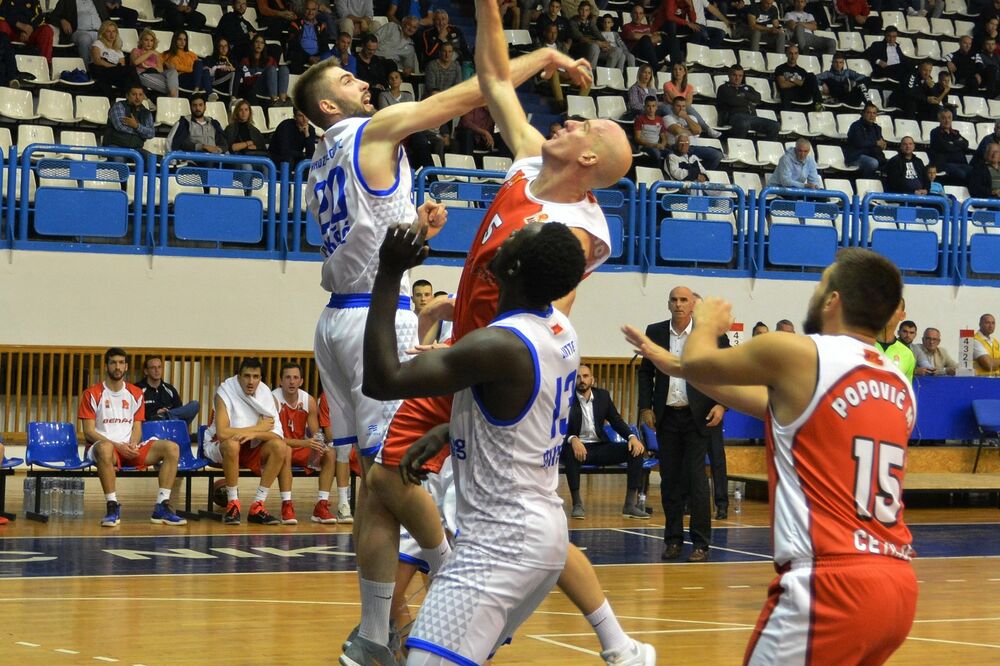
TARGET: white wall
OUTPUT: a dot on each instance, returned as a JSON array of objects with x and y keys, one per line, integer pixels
[{"x": 65, "y": 298}]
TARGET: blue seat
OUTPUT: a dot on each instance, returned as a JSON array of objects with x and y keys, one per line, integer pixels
[
  {"x": 987, "y": 414},
  {"x": 54, "y": 446},
  {"x": 647, "y": 436},
  {"x": 176, "y": 431},
  {"x": 11, "y": 463}
]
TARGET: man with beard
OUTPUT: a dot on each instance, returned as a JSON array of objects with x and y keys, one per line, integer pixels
[
  {"x": 838, "y": 416},
  {"x": 196, "y": 133}
]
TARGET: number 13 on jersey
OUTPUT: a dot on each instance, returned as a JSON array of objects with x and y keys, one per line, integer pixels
[{"x": 563, "y": 394}]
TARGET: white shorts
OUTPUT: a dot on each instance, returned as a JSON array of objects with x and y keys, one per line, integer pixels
[
  {"x": 475, "y": 605},
  {"x": 339, "y": 348}
]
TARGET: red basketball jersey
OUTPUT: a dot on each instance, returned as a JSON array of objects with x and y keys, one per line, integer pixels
[{"x": 294, "y": 417}]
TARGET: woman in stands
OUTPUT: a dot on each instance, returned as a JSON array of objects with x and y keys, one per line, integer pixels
[
  {"x": 221, "y": 69},
  {"x": 644, "y": 86},
  {"x": 678, "y": 86},
  {"x": 242, "y": 135},
  {"x": 190, "y": 69},
  {"x": 150, "y": 67},
  {"x": 260, "y": 73},
  {"x": 108, "y": 66}
]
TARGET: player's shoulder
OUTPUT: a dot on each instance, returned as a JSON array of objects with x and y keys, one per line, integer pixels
[
  {"x": 94, "y": 391},
  {"x": 135, "y": 391}
]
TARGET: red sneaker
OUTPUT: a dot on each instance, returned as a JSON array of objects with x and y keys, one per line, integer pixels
[
  {"x": 4, "y": 521},
  {"x": 260, "y": 516},
  {"x": 288, "y": 513},
  {"x": 321, "y": 513}
]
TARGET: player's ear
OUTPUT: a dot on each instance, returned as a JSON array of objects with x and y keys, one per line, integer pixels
[
  {"x": 329, "y": 107},
  {"x": 587, "y": 159}
]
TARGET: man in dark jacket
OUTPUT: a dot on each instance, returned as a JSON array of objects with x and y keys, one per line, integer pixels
[
  {"x": 914, "y": 93},
  {"x": 865, "y": 143},
  {"x": 736, "y": 101},
  {"x": 238, "y": 31},
  {"x": 905, "y": 173},
  {"x": 130, "y": 123},
  {"x": 308, "y": 39},
  {"x": 947, "y": 150},
  {"x": 162, "y": 400},
  {"x": 293, "y": 140},
  {"x": 963, "y": 63},
  {"x": 984, "y": 182},
  {"x": 887, "y": 59},
  {"x": 197, "y": 133},
  {"x": 586, "y": 443}
]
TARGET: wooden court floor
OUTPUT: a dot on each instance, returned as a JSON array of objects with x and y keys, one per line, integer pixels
[{"x": 264, "y": 607}]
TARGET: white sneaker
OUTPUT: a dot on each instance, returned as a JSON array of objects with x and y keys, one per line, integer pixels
[
  {"x": 637, "y": 654},
  {"x": 344, "y": 514},
  {"x": 712, "y": 133}
]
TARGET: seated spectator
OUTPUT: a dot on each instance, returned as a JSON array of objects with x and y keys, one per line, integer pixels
[
  {"x": 180, "y": 14},
  {"x": 915, "y": 94},
  {"x": 246, "y": 432},
  {"x": 112, "y": 414},
  {"x": 149, "y": 66},
  {"x": 678, "y": 122},
  {"x": 980, "y": 155},
  {"x": 308, "y": 40},
  {"x": 161, "y": 400},
  {"x": 435, "y": 141},
  {"x": 941, "y": 90},
  {"x": 887, "y": 58},
  {"x": 550, "y": 39},
  {"x": 354, "y": 16},
  {"x": 963, "y": 63},
  {"x": 764, "y": 25},
  {"x": 931, "y": 358},
  {"x": 123, "y": 16},
  {"x": 795, "y": 84},
  {"x": 130, "y": 124},
  {"x": 475, "y": 132},
  {"x": 553, "y": 16},
  {"x": 242, "y": 136},
  {"x": 986, "y": 348},
  {"x": 395, "y": 42},
  {"x": 299, "y": 417},
  {"x": 682, "y": 165},
  {"x": 276, "y": 16},
  {"x": 988, "y": 69},
  {"x": 678, "y": 86},
  {"x": 80, "y": 20},
  {"x": 108, "y": 65},
  {"x": 907, "y": 333},
  {"x": 797, "y": 168},
  {"x": 23, "y": 21},
  {"x": 986, "y": 27},
  {"x": 683, "y": 26},
  {"x": 842, "y": 84},
  {"x": 893, "y": 347},
  {"x": 395, "y": 94},
  {"x": 293, "y": 140},
  {"x": 905, "y": 173},
  {"x": 342, "y": 452},
  {"x": 933, "y": 186},
  {"x": 238, "y": 31},
  {"x": 197, "y": 133},
  {"x": 784, "y": 326},
  {"x": 342, "y": 52},
  {"x": 858, "y": 13},
  {"x": 191, "y": 72},
  {"x": 421, "y": 293},
  {"x": 736, "y": 102},
  {"x": 260, "y": 74},
  {"x": 947, "y": 150},
  {"x": 984, "y": 181},
  {"x": 587, "y": 39},
  {"x": 801, "y": 25},
  {"x": 617, "y": 56},
  {"x": 760, "y": 328},
  {"x": 650, "y": 133},
  {"x": 221, "y": 68},
  {"x": 440, "y": 32},
  {"x": 444, "y": 71},
  {"x": 586, "y": 443},
  {"x": 645, "y": 43},
  {"x": 643, "y": 88},
  {"x": 373, "y": 69},
  {"x": 422, "y": 10},
  {"x": 865, "y": 144},
  {"x": 9, "y": 74}
]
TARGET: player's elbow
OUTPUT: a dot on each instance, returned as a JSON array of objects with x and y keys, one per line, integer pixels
[{"x": 378, "y": 388}]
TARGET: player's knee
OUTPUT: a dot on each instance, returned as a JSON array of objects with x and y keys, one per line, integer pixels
[
  {"x": 104, "y": 453},
  {"x": 170, "y": 450},
  {"x": 329, "y": 458},
  {"x": 230, "y": 448},
  {"x": 380, "y": 479}
]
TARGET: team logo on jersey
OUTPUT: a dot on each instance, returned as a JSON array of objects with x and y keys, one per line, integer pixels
[
  {"x": 540, "y": 217},
  {"x": 107, "y": 404},
  {"x": 873, "y": 357},
  {"x": 124, "y": 403},
  {"x": 556, "y": 329}
]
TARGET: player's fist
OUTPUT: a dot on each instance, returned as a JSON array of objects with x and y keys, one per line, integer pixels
[
  {"x": 431, "y": 217},
  {"x": 715, "y": 313}
]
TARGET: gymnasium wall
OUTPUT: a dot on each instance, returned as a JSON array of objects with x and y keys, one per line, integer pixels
[{"x": 66, "y": 298}]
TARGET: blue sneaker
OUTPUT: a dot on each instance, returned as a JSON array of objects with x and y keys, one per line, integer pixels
[
  {"x": 164, "y": 515},
  {"x": 114, "y": 515}
]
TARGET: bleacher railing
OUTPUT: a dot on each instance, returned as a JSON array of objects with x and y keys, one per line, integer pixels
[
  {"x": 799, "y": 228},
  {"x": 978, "y": 231},
  {"x": 914, "y": 231}
]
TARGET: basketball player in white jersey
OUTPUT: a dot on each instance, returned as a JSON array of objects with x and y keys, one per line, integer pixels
[
  {"x": 838, "y": 417},
  {"x": 509, "y": 382}
]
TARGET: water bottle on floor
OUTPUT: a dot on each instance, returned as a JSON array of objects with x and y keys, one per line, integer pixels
[
  {"x": 46, "y": 507},
  {"x": 29, "y": 494},
  {"x": 738, "y": 502},
  {"x": 56, "y": 498},
  {"x": 78, "y": 492}
]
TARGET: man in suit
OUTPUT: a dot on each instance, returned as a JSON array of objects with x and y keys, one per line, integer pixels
[
  {"x": 682, "y": 417},
  {"x": 586, "y": 443}
]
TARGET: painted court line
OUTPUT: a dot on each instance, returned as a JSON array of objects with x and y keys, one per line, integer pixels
[
  {"x": 645, "y": 589},
  {"x": 287, "y": 602},
  {"x": 723, "y": 548},
  {"x": 958, "y": 619},
  {"x": 65, "y": 651},
  {"x": 107, "y": 659},
  {"x": 747, "y": 627},
  {"x": 566, "y": 645},
  {"x": 23, "y": 644},
  {"x": 941, "y": 640}
]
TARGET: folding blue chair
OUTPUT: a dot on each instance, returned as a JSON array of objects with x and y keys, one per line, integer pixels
[
  {"x": 177, "y": 431},
  {"x": 987, "y": 414},
  {"x": 52, "y": 446},
  {"x": 6, "y": 469}
]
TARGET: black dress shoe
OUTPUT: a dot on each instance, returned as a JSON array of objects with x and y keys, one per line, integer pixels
[
  {"x": 698, "y": 555},
  {"x": 671, "y": 552},
  {"x": 721, "y": 514}
]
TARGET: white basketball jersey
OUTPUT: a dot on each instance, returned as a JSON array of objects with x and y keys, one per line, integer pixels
[
  {"x": 353, "y": 217},
  {"x": 507, "y": 473}
]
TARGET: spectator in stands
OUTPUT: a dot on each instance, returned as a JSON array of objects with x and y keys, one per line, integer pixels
[
  {"x": 550, "y": 39},
  {"x": 444, "y": 71},
  {"x": 947, "y": 150},
  {"x": 242, "y": 136},
  {"x": 510, "y": 14},
  {"x": 797, "y": 168},
  {"x": 422, "y": 145},
  {"x": 260, "y": 73},
  {"x": 373, "y": 69},
  {"x": 23, "y": 21},
  {"x": 907, "y": 332},
  {"x": 963, "y": 63},
  {"x": 858, "y": 13},
  {"x": 355, "y": 16},
  {"x": 191, "y": 72},
  {"x": 123, "y": 16},
  {"x": 764, "y": 25},
  {"x": 308, "y": 40},
  {"x": 986, "y": 348},
  {"x": 683, "y": 26},
  {"x": 130, "y": 124},
  {"x": 984, "y": 181},
  {"x": 784, "y": 326},
  {"x": 985, "y": 27},
  {"x": 865, "y": 144},
  {"x": 109, "y": 66},
  {"x": 553, "y": 16},
  {"x": 842, "y": 84},
  {"x": 180, "y": 14},
  {"x": 941, "y": 90},
  {"x": 395, "y": 94},
  {"x": 931, "y": 358},
  {"x": 795, "y": 84},
  {"x": 395, "y": 42},
  {"x": 678, "y": 122},
  {"x": 682, "y": 165},
  {"x": 149, "y": 65},
  {"x": 342, "y": 52},
  {"x": 801, "y": 26},
  {"x": 440, "y": 32},
  {"x": 418, "y": 9},
  {"x": 238, "y": 31},
  {"x": 988, "y": 69},
  {"x": 299, "y": 416},
  {"x": 80, "y": 20},
  {"x": 994, "y": 137},
  {"x": 276, "y": 16},
  {"x": 617, "y": 56},
  {"x": 933, "y": 186},
  {"x": 9, "y": 74},
  {"x": 587, "y": 443},
  {"x": 760, "y": 328},
  {"x": 293, "y": 140},
  {"x": 644, "y": 88},
  {"x": 112, "y": 414},
  {"x": 220, "y": 67},
  {"x": 736, "y": 102},
  {"x": 650, "y": 132},
  {"x": 246, "y": 432},
  {"x": 905, "y": 172},
  {"x": 160, "y": 399},
  {"x": 587, "y": 39},
  {"x": 893, "y": 347},
  {"x": 887, "y": 58},
  {"x": 646, "y": 43},
  {"x": 198, "y": 133},
  {"x": 678, "y": 86},
  {"x": 475, "y": 131},
  {"x": 915, "y": 94}
]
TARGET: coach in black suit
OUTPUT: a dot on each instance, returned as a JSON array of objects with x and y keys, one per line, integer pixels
[
  {"x": 682, "y": 417},
  {"x": 586, "y": 443}
]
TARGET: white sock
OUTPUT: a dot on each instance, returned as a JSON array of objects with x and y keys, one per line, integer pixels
[
  {"x": 323, "y": 496},
  {"x": 162, "y": 495},
  {"x": 613, "y": 638},
  {"x": 376, "y": 602},
  {"x": 436, "y": 557},
  {"x": 232, "y": 493},
  {"x": 261, "y": 495},
  {"x": 111, "y": 497},
  {"x": 286, "y": 495},
  {"x": 343, "y": 495}
]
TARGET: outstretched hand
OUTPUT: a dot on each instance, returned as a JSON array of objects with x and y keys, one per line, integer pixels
[
  {"x": 402, "y": 249},
  {"x": 578, "y": 70},
  {"x": 715, "y": 313},
  {"x": 642, "y": 345}
]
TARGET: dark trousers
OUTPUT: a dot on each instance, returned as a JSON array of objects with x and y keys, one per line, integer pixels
[
  {"x": 717, "y": 459},
  {"x": 602, "y": 454},
  {"x": 682, "y": 468},
  {"x": 807, "y": 93},
  {"x": 177, "y": 20},
  {"x": 124, "y": 17}
]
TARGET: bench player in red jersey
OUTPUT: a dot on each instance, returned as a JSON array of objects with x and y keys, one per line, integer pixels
[{"x": 838, "y": 417}]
